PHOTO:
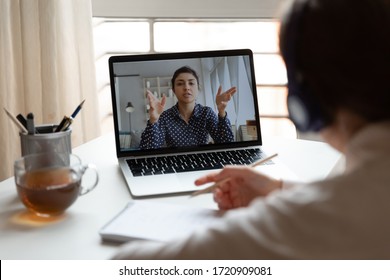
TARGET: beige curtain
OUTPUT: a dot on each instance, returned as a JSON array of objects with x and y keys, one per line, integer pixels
[{"x": 46, "y": 67}]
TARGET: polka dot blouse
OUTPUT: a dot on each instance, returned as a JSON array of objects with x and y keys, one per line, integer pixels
[{"x": 172, "y": 131}]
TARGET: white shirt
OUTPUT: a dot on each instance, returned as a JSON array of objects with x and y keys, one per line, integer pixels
[{"x": 345, "y": 217}]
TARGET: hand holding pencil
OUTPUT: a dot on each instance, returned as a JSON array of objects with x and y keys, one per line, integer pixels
[{"x": 237, "y": 186}]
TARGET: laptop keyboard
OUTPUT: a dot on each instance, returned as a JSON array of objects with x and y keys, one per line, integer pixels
[{"x": 193, "y": 162}]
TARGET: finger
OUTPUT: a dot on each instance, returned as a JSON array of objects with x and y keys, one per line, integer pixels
[
  {"x": 148, "y": 93},
  {"x": 229, "y": 93},
  {"x": 209, "y": 178},
  {"x": 230, "y": 171},
  {"x": 219, "y": 92},
  {"x": 150, "y": 100},
  {"x": 218, "y": 195},
  {"x": 163, "y": 101},
  {"x": 234, "y": 173},
  {"x": 222, "y": 199},
  {"x": 150, "y": 96},
  {"x": 232, "y": 91}
]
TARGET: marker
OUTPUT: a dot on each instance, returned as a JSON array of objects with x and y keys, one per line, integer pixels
[
  {"x": 22, "y": 120},
  {"x": 30, "y": 124}
]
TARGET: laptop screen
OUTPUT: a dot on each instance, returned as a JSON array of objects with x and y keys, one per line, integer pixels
[{"x": 154, "y": 113}]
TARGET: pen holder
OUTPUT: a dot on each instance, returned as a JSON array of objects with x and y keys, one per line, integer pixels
[{"x": 45, "y": 140}]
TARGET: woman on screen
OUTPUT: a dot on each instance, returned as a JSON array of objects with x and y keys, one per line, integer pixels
[{"x": 187, "y": 123}]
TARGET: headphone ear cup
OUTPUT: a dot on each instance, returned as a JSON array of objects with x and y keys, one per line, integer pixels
[
  {"x": 304, "y": 110},
  {"x": 297, "y": 112}
]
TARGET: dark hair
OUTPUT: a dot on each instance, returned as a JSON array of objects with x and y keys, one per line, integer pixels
[
  {"x": 343, "y": 53},
  {"x": 184, "y": 69}
]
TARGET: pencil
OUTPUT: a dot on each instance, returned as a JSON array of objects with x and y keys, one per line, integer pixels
[
  {"x": 215, "y": 185},
  {"x": 15, "y": 121},
  {"x": 67, "y": 121},
  {"x": 74, "y": 114}
]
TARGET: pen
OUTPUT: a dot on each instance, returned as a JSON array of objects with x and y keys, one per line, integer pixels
[
  {"x": 67, "y": 121},
  {"x": 15, "y": 121},
  {"x": 215, "y": 185},
  {"x": 62, "y": 123},
  {"x": 30, "y": 124}
]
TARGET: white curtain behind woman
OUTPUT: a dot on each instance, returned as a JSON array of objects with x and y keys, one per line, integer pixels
[{"x": 46, "y": 67}]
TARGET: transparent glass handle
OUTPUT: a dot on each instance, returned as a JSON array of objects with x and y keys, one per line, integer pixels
[{"x": 84, "y": 168}]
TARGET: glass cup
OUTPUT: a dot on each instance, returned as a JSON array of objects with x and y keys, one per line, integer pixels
[{"x": 49, "y": 183}]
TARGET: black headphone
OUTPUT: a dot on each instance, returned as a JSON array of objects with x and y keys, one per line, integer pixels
[{"x": 303, "y": 107}]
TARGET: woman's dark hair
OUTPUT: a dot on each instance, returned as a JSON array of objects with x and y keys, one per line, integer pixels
[
  {"x": 343, "y": 53},
  {"x": 184, "y": 69}
]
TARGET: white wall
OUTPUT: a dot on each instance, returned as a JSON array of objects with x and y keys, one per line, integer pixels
[{"x": 187, "y": 9}]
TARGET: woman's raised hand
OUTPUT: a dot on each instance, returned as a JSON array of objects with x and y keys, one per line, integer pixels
[
  {"x": 156, "y": 106},
  {"x": 223, "y": 98}
]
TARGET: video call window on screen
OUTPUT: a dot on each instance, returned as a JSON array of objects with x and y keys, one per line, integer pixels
[{"x": 133, "y": 79}]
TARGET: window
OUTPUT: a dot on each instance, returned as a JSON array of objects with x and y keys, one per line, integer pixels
[{"x": 132, "y": 36}]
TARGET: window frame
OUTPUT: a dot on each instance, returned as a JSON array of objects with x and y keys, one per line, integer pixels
[{"x": 231, "y": 9}]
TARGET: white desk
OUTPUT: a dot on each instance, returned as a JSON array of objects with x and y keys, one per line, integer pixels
[{"x": 75, "y": 236}]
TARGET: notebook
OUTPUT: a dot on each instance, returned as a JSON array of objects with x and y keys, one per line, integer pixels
[
  {"x": 140, "y": 220},
  {"x": 166, "y": 160}
]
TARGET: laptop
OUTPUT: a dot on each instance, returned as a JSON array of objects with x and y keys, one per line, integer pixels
[{"x": 172, "y": 167}]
